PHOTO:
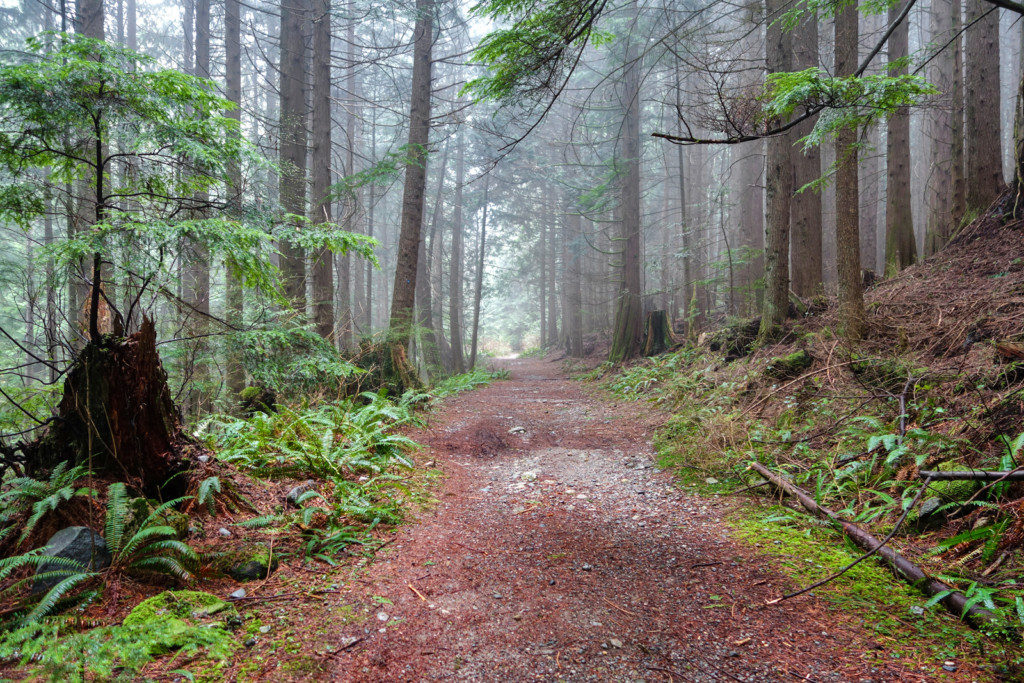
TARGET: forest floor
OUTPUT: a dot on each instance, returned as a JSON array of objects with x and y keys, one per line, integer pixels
[{"x": 558, "y": 551}]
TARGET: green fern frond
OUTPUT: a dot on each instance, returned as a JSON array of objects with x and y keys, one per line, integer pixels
[
  {"x": 118, "y": 516},
  {"x": 46, "y": 605}
]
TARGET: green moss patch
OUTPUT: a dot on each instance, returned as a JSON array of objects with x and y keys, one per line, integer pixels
[
  {"x": 178, "y": 614},
  {"x": 890, "y": 609},
  {"x": 788, "y": 367}
]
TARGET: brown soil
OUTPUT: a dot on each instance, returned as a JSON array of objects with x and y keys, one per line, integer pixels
[{"x": 561, "y": 553}]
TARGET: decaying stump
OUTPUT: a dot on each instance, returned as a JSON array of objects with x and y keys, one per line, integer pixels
[
  {"x": 117, "y": 416},
  {"x": 658, "y": 336}
]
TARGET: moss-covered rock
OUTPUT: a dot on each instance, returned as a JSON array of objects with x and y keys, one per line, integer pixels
[
  {"x": 247, "y": 564},
  {"x": 788, "y": 367},
  {"x": 177, "y": 614},
  {"x": 953, "y": 491}
]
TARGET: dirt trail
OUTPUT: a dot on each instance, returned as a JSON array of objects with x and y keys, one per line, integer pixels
[{"x": 561, "y": 553}]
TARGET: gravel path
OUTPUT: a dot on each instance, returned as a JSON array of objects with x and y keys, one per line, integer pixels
[{"x": 557, "y": 551}]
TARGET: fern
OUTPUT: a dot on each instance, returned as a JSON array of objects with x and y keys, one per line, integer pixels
[
  {"x": 38, "y": 498},
  {"x": 205, "y": 494},
  {"x": 154, "y": 547}
]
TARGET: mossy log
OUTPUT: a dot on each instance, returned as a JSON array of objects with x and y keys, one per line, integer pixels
[
  {"x": 117, "y": 416},
  {"x": 658, "y": 336},
  {"x": 953, "y": 600}
]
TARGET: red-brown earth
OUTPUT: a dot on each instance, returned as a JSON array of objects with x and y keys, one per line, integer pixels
[{"x": 557, "y": 551}]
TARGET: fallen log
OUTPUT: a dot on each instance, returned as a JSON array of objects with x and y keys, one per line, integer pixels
[
  {"x": 955, "y": 601},
  {"x": 973, "y": 475}
]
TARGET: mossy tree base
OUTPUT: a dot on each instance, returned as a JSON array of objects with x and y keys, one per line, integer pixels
[{"x": 388, "y": 367}]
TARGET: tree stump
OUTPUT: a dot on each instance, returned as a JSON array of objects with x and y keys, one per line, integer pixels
[
  {"x": 658, "y": 336},
  {"x": 117, "y": 416}
]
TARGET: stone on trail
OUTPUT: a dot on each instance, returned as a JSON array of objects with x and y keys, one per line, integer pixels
[{"x": 297, "y": 492}]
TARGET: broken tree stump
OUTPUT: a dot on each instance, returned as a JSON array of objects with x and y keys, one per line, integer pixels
[
  {"x": 117, "y": 416},
  {"x": 658, "y": 336}
]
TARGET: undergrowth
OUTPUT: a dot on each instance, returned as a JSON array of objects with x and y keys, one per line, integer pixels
[
  {"x": 353, "y": 448},
  {"x": 856, "y": 445}
]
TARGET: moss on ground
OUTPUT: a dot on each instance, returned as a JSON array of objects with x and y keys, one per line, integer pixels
[
  {"x": 888, "y": 608},
  {"x": 179, "y": 614}
]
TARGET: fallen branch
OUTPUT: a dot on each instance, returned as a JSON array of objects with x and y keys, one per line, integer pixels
[
  {"x": 954, "y": 601},
  {"x": 973, "y": 475}
]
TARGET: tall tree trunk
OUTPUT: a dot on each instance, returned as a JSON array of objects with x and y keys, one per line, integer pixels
[
  {"x": 626, "y": 340},
  {"x": 983, "y": 149},
  {"x": 197, "y": 283},
  {"x": 552, "y": 261},
  {"x": 941, "y": 128},
  {"x": 805, "y": 208},
  {"x": 323, "y": 266},
  {"x": 455, "y": 268},
  {"x": 851, "y": 296},
  {"x": 233, "y": 92},
  {"x": 403, "y": 294},
  {"x": 542, "y": 284},
  {"x": 132, "y": 28},
  {"x": 428, "y": 338},
  {"x": 292, "y": 145},
  {"x": 779, "y": 189},
  {"x": 749, "y": 241},
  {"x": 957, "y": 160},
  {"x": 88, "y": 22},
  {"x": 572, "y": 258},
  {"x": 478, "y": 290},
  {"x": 689, "y": 290},
  {"x": 370, "y": 205},
  {"x": 900, "y": 244},
  {"x": 345, "y": 317}
]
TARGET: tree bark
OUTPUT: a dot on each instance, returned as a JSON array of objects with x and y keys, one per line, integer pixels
[
  {"x": 851, "y": 296},
  {"x": 292, "y": 144},
  {"x": 233, "y": 91},
  {"x": 404, "y": 290},
  {"x": 900, "y": 244},
  {"x": 627, "y": 322},
  {"x": 572, "y": 258},
  {"x": 428, "y": 338},
  {"x": 116, "y": 415},
  {"x": 345, "y": 317},
  {"x": 805, "y": 208},
  {"x": 941, "y": 129},
  {"x": 984, "y": 166},
  {"x": 455, "y": 267},
  {"x": 323, "y": 260},
  {"x": 478, "y": 290},
  {"x": 779, "y": 185},
  {"x": 957, "y": 160},
  {"x": 658, "y": 337}
]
